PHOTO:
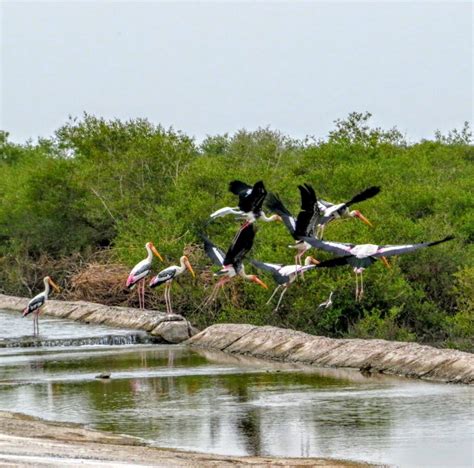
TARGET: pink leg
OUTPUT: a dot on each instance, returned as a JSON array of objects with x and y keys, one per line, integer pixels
[{"x": 143, "y": 294}]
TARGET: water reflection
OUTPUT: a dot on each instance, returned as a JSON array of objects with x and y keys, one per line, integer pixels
[{"x": 214, "y": 402}]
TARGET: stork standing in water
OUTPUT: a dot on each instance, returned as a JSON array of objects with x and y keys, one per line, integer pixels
[
  {"x": 332, "y": 212},
  {"x": 361, "y": 256},
  {"x": 140, "y": 271},
  {"x": 284, "y": 275},
  {"x": 231, "y": 262},
  {"x": 304, "y": 224},
  {"x": 250, "y": 203},
  {"x": 36, "y": 304},
  {"x": 168, "y": 275}
]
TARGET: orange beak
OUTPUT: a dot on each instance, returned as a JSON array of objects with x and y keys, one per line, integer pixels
[
  {"x": 364, "y": 219},
  {"x": 314, "y": 261},
  {"x": 190, "y": 268},
  {"x": 54, "y": 285},
  {"x": 257, "y": 280},
  {"x": 385, "y": 262},
  {"x": 157, "y": 254}
]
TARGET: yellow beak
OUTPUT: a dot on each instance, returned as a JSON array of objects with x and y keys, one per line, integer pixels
[
  {"x": 153, "y": 249},
  {"x": 364, "y": 219},
  {"x": 54, "y": 285},
  {"x": 257, "y": 280},
  {"x": 385, "y": 262},
  {"x": 190, "y": 268}
]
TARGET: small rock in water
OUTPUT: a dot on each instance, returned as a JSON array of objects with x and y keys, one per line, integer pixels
[{"x": 103, "y": 375}]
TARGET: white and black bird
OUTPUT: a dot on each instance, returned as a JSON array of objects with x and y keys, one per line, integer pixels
[
  {"x": 140, "y": 271},
  {"x": 168, "y": 275},
  {"x": 284, "y": 275},
  {"x": 361, "y": 256},
  {"x": 334, "y": 211},
  {"x": 37, "y": 303},
  {"x": 232, "y": 262},
  {"x": 304, "y": 224},
  {"x": 250, "y": 203}
]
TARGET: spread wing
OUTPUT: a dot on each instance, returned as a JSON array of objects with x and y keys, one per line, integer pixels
[
  {"x": 338, "y": 248},
  {"x": 213, "y": 252},
  {"x": 241, "y": 245},
  {"x": 364, "y": 195},
  {"x": 309, "y": 211},
  {"x": 275, "y": 205},
  {"x": 253, "y": 201},
  {"x": 389, "y": 250},
  {"x": 237, "y": 187}
]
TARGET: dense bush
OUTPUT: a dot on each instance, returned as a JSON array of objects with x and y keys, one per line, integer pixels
[{"x": 97, "y": 184}]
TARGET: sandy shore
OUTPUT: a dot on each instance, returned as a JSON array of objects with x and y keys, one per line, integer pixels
[{"x": 27, "y": 441}]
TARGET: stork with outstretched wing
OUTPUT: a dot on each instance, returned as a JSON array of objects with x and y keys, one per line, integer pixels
[
  {"x": 331, "y": 211},
  {"x": 250, "y": 203},
  {"x": 361, "y": 256},
  {"x": 302, "y": 226},
  {"x": 284, "y": 275},
  {"x": 231, "y": 263}
]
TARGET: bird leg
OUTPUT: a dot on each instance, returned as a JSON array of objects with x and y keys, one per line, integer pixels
[
  {"x": 215, "y": 291},
  {"x": 357, "y": 287},
  {"x": 143, "y": 294},
  {"x": 168, "y": 298},
  {"x": 273, "y": 294},
  {"x": 281, "y": 297},
  {"x": 361, "y": 292}
]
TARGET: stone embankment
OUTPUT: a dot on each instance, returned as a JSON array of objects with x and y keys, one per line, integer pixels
[
  {"x": 166, "y": 328},
  {"x": 374, "y": 356}
]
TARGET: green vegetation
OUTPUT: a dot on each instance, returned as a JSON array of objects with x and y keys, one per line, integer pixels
[{"x": 110, "y": 186}]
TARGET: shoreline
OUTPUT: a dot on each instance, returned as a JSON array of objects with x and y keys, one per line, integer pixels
[
  {"x": 405, "y": 359},
  {"x": 60, "y": 444}
]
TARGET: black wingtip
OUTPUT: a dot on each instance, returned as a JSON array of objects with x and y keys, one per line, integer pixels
[{"x": 446, "y": 239}]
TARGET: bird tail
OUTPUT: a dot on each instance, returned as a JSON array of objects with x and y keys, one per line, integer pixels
[{"x": 25, "y": 312}]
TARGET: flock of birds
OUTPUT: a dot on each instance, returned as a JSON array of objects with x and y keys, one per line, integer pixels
[{"x": 307, "y": 230}]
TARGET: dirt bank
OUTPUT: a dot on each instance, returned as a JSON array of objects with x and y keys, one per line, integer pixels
[
  {"x": 389, "y": 357},
  {"x": 27, "y": 441},
  {"x": 169, "y": 328}
]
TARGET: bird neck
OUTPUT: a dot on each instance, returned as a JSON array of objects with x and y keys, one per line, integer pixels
[
  {"x": 149, "y": 253},
  {"x": 182, "y": 262},
  {"x": 47, "y": 287}
]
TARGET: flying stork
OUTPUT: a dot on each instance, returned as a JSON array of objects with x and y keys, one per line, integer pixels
[
  {"x": 284, "y": 275},
  {"x": 304, "y": 224},
  {"x": 37, "y": 303},
  {"x": 250, "y": 203},
  {"x": 361, "y": 256},
  {"x": 168, "y": 275},
  {"x": 231, "y": 262},
  {"x": 332, "y": 212},
  {"x": 140, "y": 271}
]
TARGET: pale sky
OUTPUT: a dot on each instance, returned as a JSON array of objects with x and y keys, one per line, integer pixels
[{"x": 216, "y": 67}]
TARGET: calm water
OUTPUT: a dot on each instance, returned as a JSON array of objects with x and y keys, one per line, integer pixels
[{"x": 217, "y": 403}]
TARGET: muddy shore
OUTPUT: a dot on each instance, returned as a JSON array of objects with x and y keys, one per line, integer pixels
[{"x": 28, "y": 441}]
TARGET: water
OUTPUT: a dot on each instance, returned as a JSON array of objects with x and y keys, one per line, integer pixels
[{"x": 213, "y": 402}]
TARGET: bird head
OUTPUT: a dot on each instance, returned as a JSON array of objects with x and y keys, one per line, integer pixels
[
  {"x": 188, "y": 265},
  {"x": 151, "y": 246},
  {"x": 48, "y": 280},
  {"x": 359, "y": 215}
]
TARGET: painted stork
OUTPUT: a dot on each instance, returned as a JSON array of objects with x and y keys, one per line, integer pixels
[
  {"x": 231, "y": 262},
  {"x": 284, "y": 275},
  {"x": 361, "y": 256},
  {"x": 250, "y": 203},
  {"x": 332, "y": 212},
  {"x": 140, "y": 271},
  {"x": 37, "y": 303},
  {"x": 168, "y": 275},
  {"x": 304, "y": 224}
]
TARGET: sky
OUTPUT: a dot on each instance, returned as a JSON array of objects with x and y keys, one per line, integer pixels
[{"x": 210, "y": 68}]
